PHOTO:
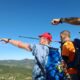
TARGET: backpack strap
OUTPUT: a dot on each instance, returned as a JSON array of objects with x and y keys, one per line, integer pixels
[
  {"x": 65, "y": 58},
  {"x": 40, "y": 66}
]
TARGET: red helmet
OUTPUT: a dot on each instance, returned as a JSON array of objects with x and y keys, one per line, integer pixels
[{"x": 47, "y": 36}]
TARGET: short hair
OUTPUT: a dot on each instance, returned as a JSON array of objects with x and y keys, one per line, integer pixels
[{"x": 66, "y": 32}]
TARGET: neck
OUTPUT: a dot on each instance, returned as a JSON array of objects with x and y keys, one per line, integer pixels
[
  {"x": 44, "y": 44},
  {"x": 66, "y": 39}
]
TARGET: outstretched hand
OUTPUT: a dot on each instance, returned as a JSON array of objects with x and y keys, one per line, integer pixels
[
  {"x": 55, "y": 21},
  {"x": 5, "y": 40}
]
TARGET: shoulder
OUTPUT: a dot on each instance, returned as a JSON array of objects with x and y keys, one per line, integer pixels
[
  {"x": 39, "y": 46},
  {"x": 68, "y": 43},
  {"x": 69, "y": 46}
]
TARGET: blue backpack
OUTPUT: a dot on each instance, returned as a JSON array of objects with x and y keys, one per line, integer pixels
[{"x": 54, "y": 71}]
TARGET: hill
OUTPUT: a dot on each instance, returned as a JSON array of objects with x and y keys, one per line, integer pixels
[
  {"x": 26, "y": 63},
  {"x": 16, "y": 69}
]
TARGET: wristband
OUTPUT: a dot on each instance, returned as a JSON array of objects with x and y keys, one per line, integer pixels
[
  {"x": 8, "y": 40},
  {"x": 61, "y": 20}
]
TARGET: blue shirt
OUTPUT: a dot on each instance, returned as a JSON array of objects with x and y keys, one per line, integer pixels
[{"x": 41, "y": 51}]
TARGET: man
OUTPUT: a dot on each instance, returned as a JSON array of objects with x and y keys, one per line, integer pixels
[
  {"x": 40, "y": 51},
  {"x": 68, "y": 53},
  {"x": 71, "y": 20}
]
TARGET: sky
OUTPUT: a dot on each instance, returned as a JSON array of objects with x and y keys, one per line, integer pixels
[{"x": 32, "y": 18}]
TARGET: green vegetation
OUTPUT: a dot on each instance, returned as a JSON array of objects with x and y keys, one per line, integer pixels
[{"x": 9, "y": 72}]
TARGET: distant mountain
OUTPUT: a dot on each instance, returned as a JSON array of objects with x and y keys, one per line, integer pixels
[{"x": 26, "y": 63}]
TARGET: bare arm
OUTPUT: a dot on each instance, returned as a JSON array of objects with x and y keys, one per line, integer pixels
[
  {"x": 71, "y": 20},
  {"x": 18, "y": 44}
]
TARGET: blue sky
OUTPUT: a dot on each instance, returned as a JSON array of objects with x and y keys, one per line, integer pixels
[{"x": 31, "y": 18}]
